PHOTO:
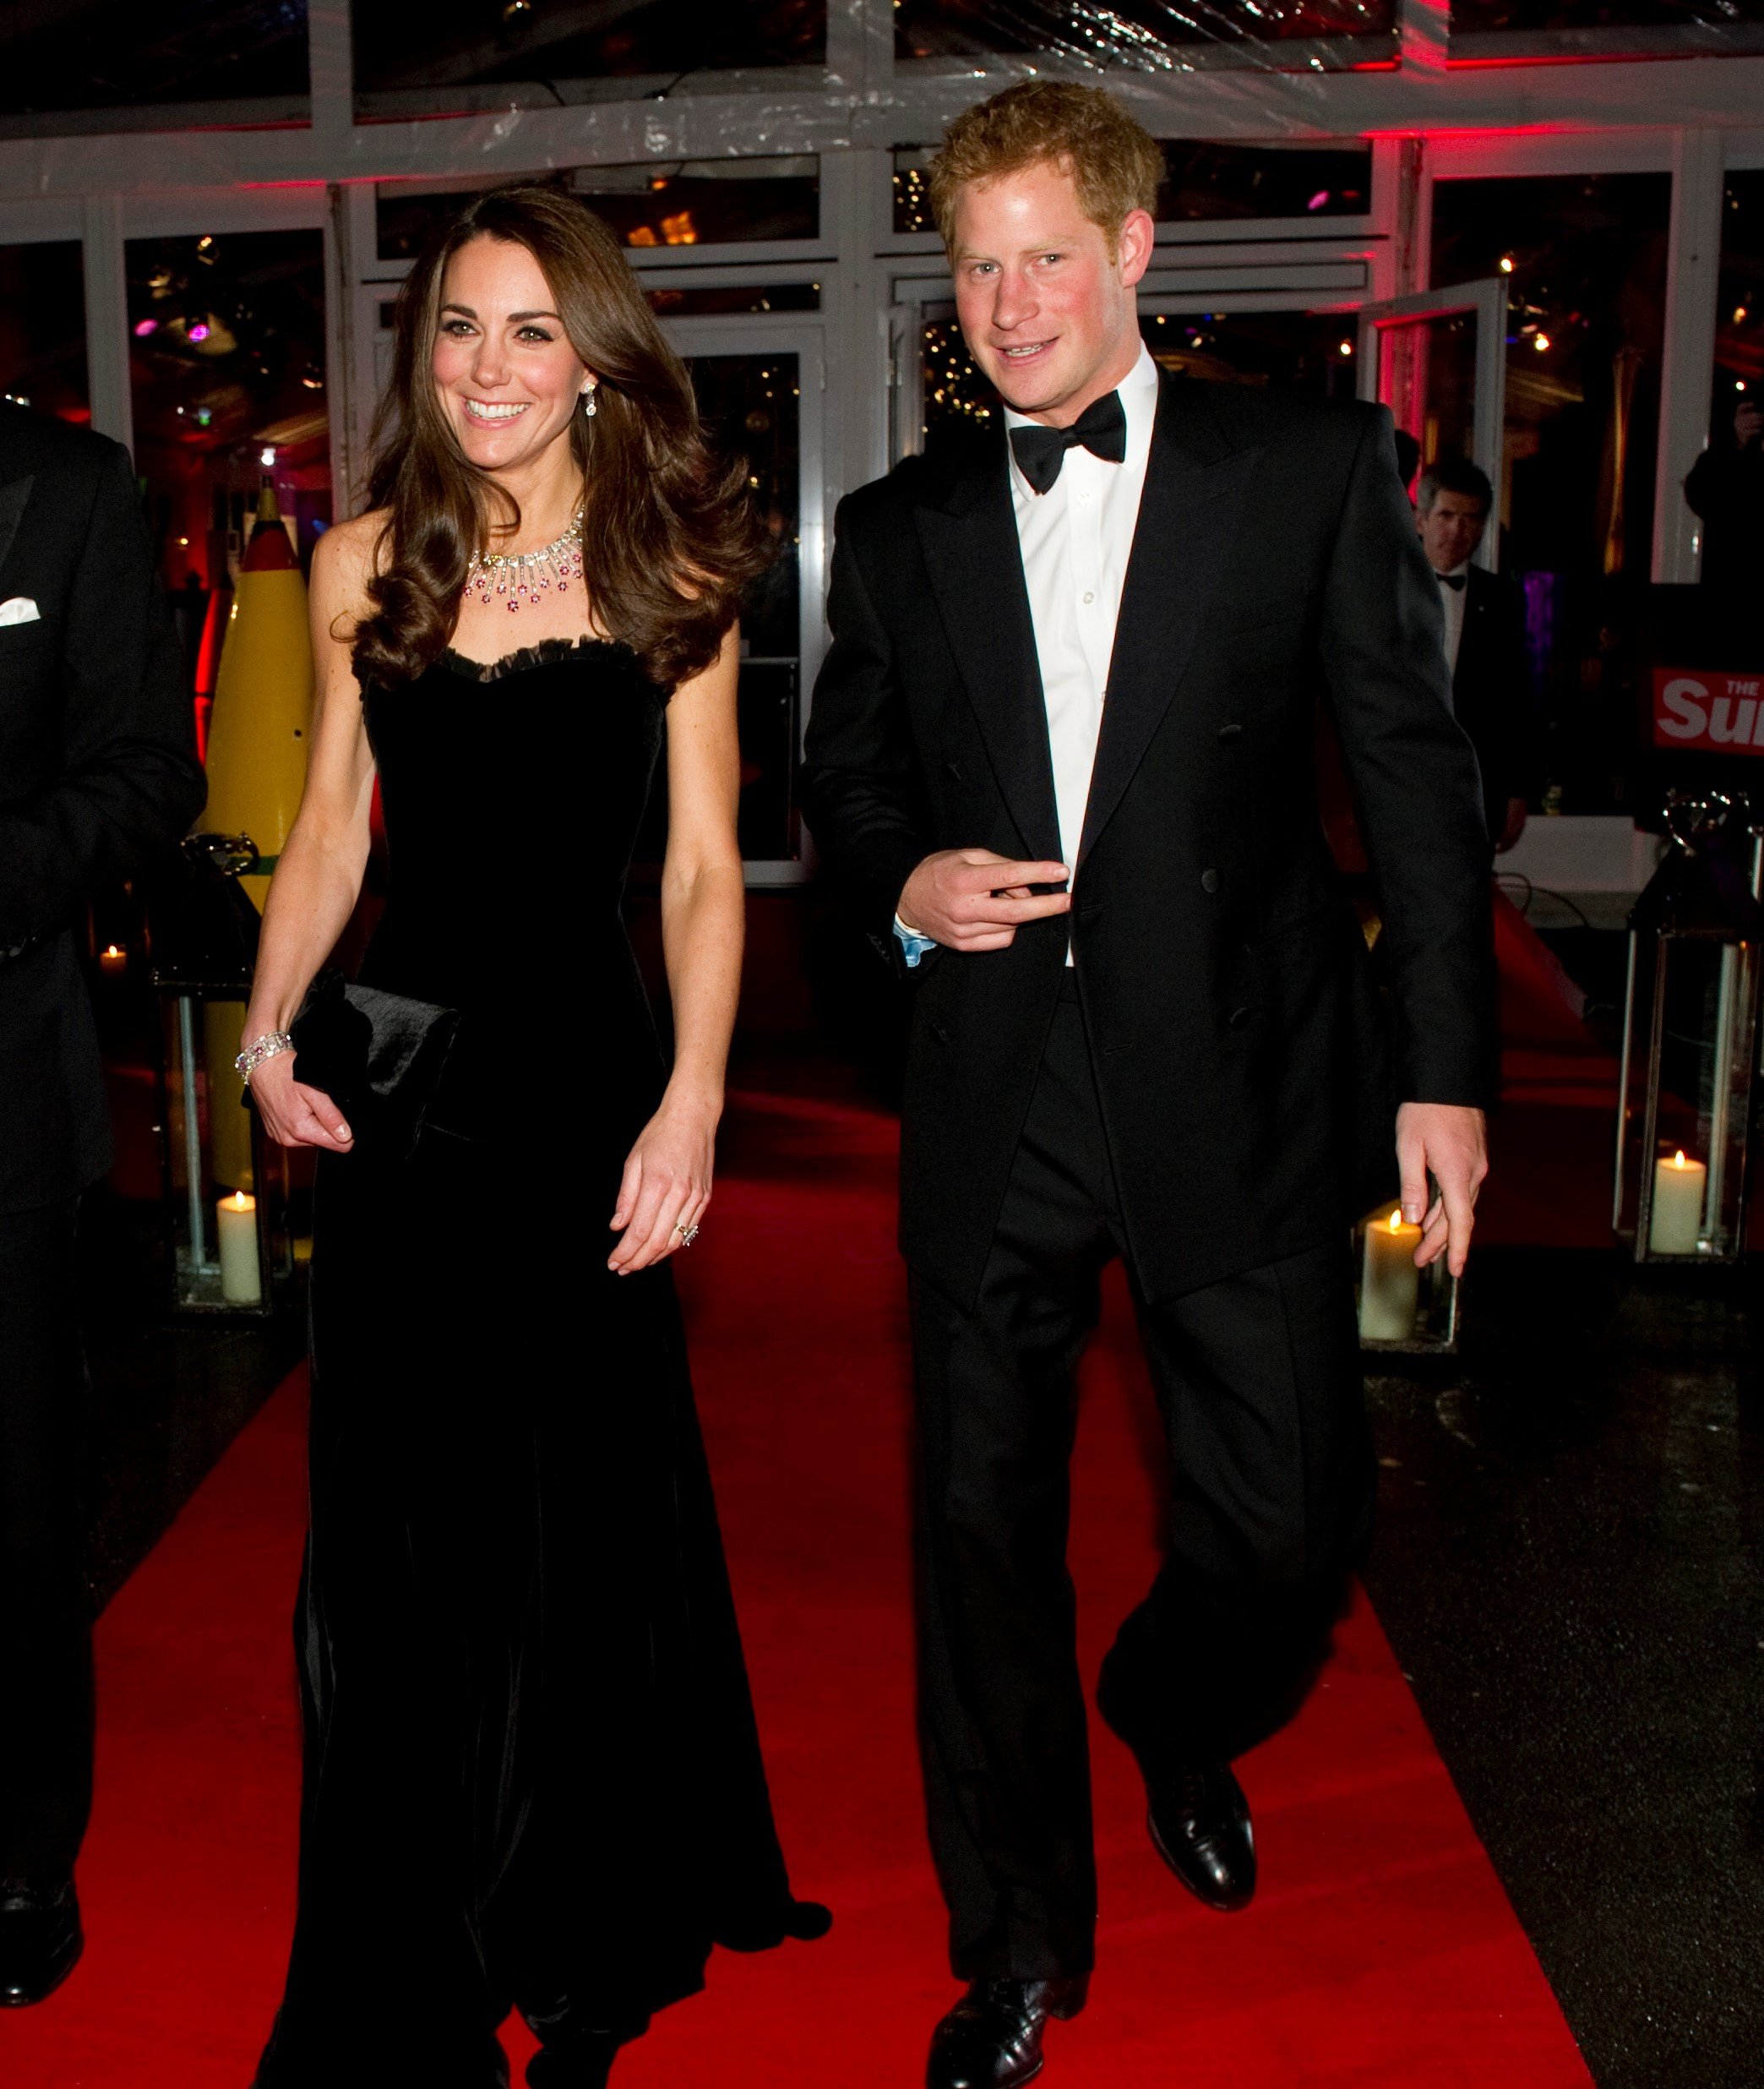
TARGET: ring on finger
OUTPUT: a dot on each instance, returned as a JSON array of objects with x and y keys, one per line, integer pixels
[{"x": 688, "y": 1234}]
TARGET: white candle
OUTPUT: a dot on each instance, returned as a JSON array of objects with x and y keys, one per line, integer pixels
[
  {"x": 1676, "y": 1225},
  {"x": 1390, "y": 1283},
  {"x": 112, "y": 963},
  {"x": 241, "y": 1282}
]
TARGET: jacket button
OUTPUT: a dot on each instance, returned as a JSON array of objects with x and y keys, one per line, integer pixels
[
  {"x": 1209, "y": 880},
  {"x": 941, "y": 1032},
  {"x": 952, "y": 772},
  {"x": 1237, "y": 1018},
  {"x": 1231, "y": 732}
]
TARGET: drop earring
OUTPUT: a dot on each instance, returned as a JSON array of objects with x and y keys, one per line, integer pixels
[{"x": 589, "y": 408}]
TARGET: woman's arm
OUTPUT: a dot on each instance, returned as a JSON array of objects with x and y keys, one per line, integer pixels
[
  {"x": 667, "y": 1183},
  {"x": 318, "y": 878}
]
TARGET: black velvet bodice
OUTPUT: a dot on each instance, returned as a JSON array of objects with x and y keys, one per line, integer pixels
[{"x": 513, "y": 793}]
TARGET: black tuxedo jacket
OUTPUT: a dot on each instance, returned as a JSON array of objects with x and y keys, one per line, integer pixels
[
  {"x": 1221, "y": 970},
  {"x": 1491, "y": 692},
  {"x": 97, "y": 770}
]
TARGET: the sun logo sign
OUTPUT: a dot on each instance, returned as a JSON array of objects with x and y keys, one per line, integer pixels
[{"x": 1718, "y": 711}]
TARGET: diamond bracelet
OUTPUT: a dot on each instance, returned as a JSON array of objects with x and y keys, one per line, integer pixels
[{"x": 270, "y": 1046}]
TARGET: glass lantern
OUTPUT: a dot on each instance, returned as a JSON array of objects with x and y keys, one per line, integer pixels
[
  {"x": 1403, "y": 1310},
  {"x": 226, "y": 1192},
  {"x": 1688, "y": 1084}
]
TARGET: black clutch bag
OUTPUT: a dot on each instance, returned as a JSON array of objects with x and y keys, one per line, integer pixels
[{"x": 379, "y": 1056}]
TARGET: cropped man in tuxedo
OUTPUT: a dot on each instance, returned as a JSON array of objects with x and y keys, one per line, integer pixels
[
  {"x": 1485, "y": 642},
  {"x": 1725, "y": 488},
  {"x": 1061, "y": 749},
  {"x": 97, "y": 770}
]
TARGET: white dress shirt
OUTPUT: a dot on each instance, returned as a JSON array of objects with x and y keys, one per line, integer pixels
[
  {"x": 1076, "y": 539},
  {"x": 1452, "y": 601}
]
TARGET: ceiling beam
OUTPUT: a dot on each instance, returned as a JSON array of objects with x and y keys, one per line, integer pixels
[{"x": 1210, "y": 103}]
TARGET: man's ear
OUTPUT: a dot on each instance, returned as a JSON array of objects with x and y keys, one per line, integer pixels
[{"x": 1133, "y": 246}]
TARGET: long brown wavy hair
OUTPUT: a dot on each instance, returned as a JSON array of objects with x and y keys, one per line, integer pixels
[{"x": 669, "y": 538}]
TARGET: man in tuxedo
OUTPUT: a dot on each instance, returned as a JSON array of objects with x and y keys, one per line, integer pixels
[
  {"x": 1485, "y": 642},
  {"x": 1061, "y": 750},
  {"x": 97, "y": 770}
]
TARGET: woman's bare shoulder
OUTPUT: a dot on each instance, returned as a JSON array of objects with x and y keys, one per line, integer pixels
[
  {"x": 350, "y": 549},
  {"x": 343, "y": 560}
]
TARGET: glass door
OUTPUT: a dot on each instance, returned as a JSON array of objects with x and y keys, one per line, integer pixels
[
  {"x": 760, "y": 388},
  {"x": 230, "y": 389},
  {"x": 1438, "y": 361}
]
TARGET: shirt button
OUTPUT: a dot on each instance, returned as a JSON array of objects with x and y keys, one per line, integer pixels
[{"x": 1088, "y": 595}]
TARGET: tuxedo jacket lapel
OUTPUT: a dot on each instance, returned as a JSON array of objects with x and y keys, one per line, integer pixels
[
  {"x": 1194, "y": 486},
  {"x": 1469, "y": 665},
  {"x": 967, "y": 531},
  {"x": 13, "y": 496}
]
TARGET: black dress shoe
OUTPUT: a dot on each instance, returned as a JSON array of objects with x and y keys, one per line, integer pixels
[
  {"x": 992, "y": 2039},
  {"x": 40, "y": 1939},
  {"x": 1200, "y": 1823}
]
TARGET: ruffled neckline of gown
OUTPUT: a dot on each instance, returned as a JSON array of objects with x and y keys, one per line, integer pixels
[{"x": 543, "y": 655}]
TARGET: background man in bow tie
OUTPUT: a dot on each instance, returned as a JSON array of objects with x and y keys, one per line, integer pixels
[
  {"x": 97, "y": 770},
  {"x": 1061, "y": 747},
  {"x": 1485, "y": 642}
]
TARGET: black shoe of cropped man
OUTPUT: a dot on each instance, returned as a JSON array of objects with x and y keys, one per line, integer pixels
[
  {"x": 992, "y": 2039},
  {"x": 40, "y": 1939}
]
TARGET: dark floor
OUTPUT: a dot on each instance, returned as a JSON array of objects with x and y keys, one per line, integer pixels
[{"x": 1568, "y": 1562}]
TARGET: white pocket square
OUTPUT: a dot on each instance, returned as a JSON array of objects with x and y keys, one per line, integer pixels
[{"x": 21, "y": 609}]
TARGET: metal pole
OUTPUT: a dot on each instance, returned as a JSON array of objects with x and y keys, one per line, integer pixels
[
  {"x": 1623, "y": 1090},
  {"x": 1721, "y": 1095},
  {"x": 192, "y": 1132},
  {"x": 1650, "y": 1116}
]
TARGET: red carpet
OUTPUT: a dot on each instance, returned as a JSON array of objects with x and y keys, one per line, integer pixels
[{"x": 1381, "y": 1949}]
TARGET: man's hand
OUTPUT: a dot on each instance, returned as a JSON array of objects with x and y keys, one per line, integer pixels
[
  {"x": 1451, "y": 1141},
  {"x": 971, "y": 899}
]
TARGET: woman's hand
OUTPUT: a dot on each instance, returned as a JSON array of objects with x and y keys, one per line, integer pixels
[
  {"x": 667, "y": 1183},
  {"x": 295, "y": 1115}
]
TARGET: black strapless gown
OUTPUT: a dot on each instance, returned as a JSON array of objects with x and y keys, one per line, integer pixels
[{"x": 532, "y": 1777}]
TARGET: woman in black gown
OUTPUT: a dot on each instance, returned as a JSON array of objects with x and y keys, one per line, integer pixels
[{"x": 532, "y": 1778}]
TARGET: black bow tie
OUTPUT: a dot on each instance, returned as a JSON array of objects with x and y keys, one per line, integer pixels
[
  {"x": 1453, "y": 580},
  {"x": 1100, "y": 429}
]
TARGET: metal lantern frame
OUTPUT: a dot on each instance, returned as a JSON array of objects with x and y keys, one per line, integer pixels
[
  {"x": 202, "y": 932},
  {"x": 1695, "y": 933},
  {"x": 188, "y": 1094}
]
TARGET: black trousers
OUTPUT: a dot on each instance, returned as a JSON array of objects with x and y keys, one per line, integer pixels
[
  {"x": 1258, "y": 1383},
  {"x": 46, "y": 1616}
]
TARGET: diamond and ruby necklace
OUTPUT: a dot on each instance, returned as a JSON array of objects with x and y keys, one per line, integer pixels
[{"x": 524, "y": 576}]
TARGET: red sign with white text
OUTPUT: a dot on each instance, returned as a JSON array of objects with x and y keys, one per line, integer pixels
[{"x": 1708, "y": 711}]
